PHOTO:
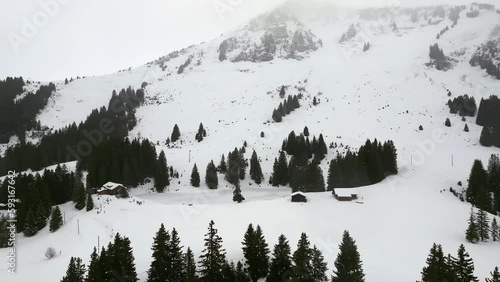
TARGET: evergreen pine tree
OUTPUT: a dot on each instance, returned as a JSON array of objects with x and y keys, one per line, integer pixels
[
  {"x": 222, "y": 165},
  {"x": 348, "y": 263},
  {"x": 463, "y": 266},
  {"x": 447, "y": 122},
  {"x": 161, "y": 256},
  {"x": 471, "y": 234},
  {"x": 41, "y": 220},
  {"x": 190, "y": 266},
  {"x": 79, "y": 195},
  {"x": 466, "y": 128},
  {"x": 483, "y": 225},
  {"x": 213, "y": 256},
  {"x": 306, "y": 131},
  {"x": 161, "y": 173},
  {"x": 56, "y": 220},
  {"x": 176, "y": 269},
  {"x": 249, "y": 248},
  {"x": 322, "y": 148},
  {"x": 176, "y": 134},
  {"x": 495, "y": 276},
  {"x": 242, "y": 166},
  {"x": 314, "y": 180},
  {"x": 240, "y": 274},
  {"x": 280, "y": 171},
  {"x": 76, "y": 271},
  {"x": 319, "y": 266},
  {"x": 234, "y": 163},
  {"x": 237, "y": 196},
  {"x": 211, "y": 178},
  {"x": 228, "y": 272},
  {"x": 436, "y": 268},
  {"x": 121, "y": 258},
  {"x": 255, "y": 169},
  {"x": 30, "y": 228},
  {"x": 302, "y": 268},
  {"x": 93, "y": 274},
  {"x": 449, "y": 273},
  {"x": 256, "y": 253},
  {"x": 282, "y": 92},
  {"x": 495, "y": 230},
  {"x": 281, "y": 263},
  {"x": 90, "y": 202},
  {"x": 104, "y": 264},
  {"x": 478, "y": 182},
  {"x": 195, "y": 177}
]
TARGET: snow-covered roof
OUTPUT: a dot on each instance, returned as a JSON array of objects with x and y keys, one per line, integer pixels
[
  {"x": 109, "y": 186},
  {"x": 298, "y": 193},
  {"x": 346, "y": 192}
]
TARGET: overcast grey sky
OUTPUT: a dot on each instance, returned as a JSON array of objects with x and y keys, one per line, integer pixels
[{"x": 54, "y": 39}]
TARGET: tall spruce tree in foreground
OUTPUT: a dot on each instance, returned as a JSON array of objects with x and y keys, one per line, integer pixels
[
  {"x": 436, "y": 268},
  {"x": 176, "y": 134},
  {"x": 302, "y": 268},
  {"x": 281, "y": 263},
  {"x": 76, "y": 271},
  {"x": 471, "y": 234},
  {"x": 195, "y": 177},
  {"x": 348, "y": 264},
  {"x": 463, "y": 266},
  {"x": 483, "y": 225},
  {"x": 90, "y": 203},
  {"x": 495, "y": 230},
  {"x": 93, "y": 270},
  {"x": 161, "y": 256},
  {"x": 495, "y": 276},
  {"x": 256, "y": 253},
  {"x": 319, "y": 266},
  {"x": 177, "y": 270},
  {"x": 190, "y": 266},
  {"x": 122, "y": 258},
  {"x": 255, "y": 169},
  {"x": 211, "y": 178},
  {"x": 213, "y": 256},
  {"x": 56, "y": 220}
]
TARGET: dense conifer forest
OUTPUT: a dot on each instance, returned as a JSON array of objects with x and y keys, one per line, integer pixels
[{"x": 74, "y": 141}]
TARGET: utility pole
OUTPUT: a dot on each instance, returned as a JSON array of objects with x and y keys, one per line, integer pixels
[{"x": 78, "y": 225}]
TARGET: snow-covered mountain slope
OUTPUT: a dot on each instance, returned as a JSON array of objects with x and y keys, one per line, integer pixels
[{"x": 385, "y": 93}]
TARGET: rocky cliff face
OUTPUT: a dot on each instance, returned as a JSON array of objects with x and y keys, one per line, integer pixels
[{"x": 275, "y": 35}]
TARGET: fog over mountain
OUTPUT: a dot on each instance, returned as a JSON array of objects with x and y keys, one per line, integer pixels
[{"x": 98, "y": 37}]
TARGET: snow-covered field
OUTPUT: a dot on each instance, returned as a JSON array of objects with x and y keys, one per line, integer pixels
[{"x": 385, "y": 93}]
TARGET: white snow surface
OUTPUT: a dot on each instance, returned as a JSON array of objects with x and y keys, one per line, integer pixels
[{"x": 385, "y": 93}]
